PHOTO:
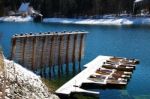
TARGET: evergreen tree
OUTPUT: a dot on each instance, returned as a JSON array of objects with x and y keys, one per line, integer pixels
[
  {"x": 1, "y": 7},
  {"x": 72, "y": 8}
]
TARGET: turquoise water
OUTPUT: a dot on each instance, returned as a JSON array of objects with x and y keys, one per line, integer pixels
[{"x": 131, "y": 42}]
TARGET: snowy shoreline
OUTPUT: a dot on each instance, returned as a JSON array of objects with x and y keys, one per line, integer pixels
[
  {"x": 103, "y": 21},
  {"x": 110, "y": 21},
  {"x": 16, "y": 19}
]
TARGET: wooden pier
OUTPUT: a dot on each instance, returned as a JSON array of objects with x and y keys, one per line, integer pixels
[
  {"x": 41, "y": 50},
  {"x": 75, "y": 83},
  {"x": 90, "y": 75}
]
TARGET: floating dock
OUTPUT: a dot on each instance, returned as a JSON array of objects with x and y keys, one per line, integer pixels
[{"x": 73, "y": 85}]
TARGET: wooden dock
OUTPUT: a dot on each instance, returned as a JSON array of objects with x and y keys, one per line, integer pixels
[{"x": 73, "y": 85}]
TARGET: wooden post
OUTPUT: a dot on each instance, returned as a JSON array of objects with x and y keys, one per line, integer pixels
[
  {"x": 74, "y": 51},
  {"x": 13, "y": 48},
  {"x": 33, "y": 52},
  {"x": 51, "y": 54},
  {"x": 23, "y": 49},
  {"x": 54, "y": 50},
  {"x": 62, "y": 52},
  {"x": 41, "y": 62},
  {"x": 81, "y": 49},
  {"x": 59, "y": 54},
  {"x": 67, "y": 53},
  {"x": 43, "y": 54}
]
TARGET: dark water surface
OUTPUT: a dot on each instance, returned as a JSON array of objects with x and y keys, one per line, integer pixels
[{"x": 131, "y": 42}]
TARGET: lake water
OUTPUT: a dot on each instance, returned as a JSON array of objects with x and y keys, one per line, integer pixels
[{"x": 129, "y": 41}]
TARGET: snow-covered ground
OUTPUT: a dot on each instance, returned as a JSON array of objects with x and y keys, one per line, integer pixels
[
  {"x": 103, "y": 21},
  {"x": 16, "y": 19},
  {"x": 23, "y": 8},
  {"x": 110, "y": 21},
  {"x": 23, "y": 84}
]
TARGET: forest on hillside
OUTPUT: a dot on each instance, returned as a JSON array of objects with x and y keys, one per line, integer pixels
[{"x": 76, "y": 8}]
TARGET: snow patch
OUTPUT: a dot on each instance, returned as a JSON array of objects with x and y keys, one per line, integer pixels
[
  {"x": 112, "y": 21},
  {"x": 138, "y": 1},
  {"x": 16, "y": 19}
]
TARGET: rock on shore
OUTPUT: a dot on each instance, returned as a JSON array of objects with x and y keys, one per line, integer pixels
[{"x": 23, "y": 84}]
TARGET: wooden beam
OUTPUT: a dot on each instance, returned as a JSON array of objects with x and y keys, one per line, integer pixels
[
  {"x": 51, "y": 53},
  {"x": 42, "y": 54},
  {"x": 74, "y": 51},
  {"x": 23, "y": 49},
  {"x": 13, "y": 41},
  {"x": 33, "y": 52},
  {"x": 74, "y": 47},
  {"x": 81, "y": 48},
  {"x": 59, "y": 53},
  {"x": 67, "y": 53}
]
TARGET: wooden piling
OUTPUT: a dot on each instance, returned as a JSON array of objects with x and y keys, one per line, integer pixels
[
  {"x": 23, "y": 49},
  {"x": 74, "y": 51},
  {"x": 33, "y": 53},
  {"x": 59, "y": 54},
  {"x": 42, "y": 54},
  {"x": 45, "y": 55},
  {"x": 67, "y": 53},
  {"x": 81, "y": 48},
  {"x": 13, "y": 48},
  {"x": 63, "y": 52},
  {"x": 51, "y": 54}
]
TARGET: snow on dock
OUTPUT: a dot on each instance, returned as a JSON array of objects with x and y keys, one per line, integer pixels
[
  {"x": 16, "y": 19},
  {"x": 90, "y": 72},
  {"x": 74, "y": 84}
]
